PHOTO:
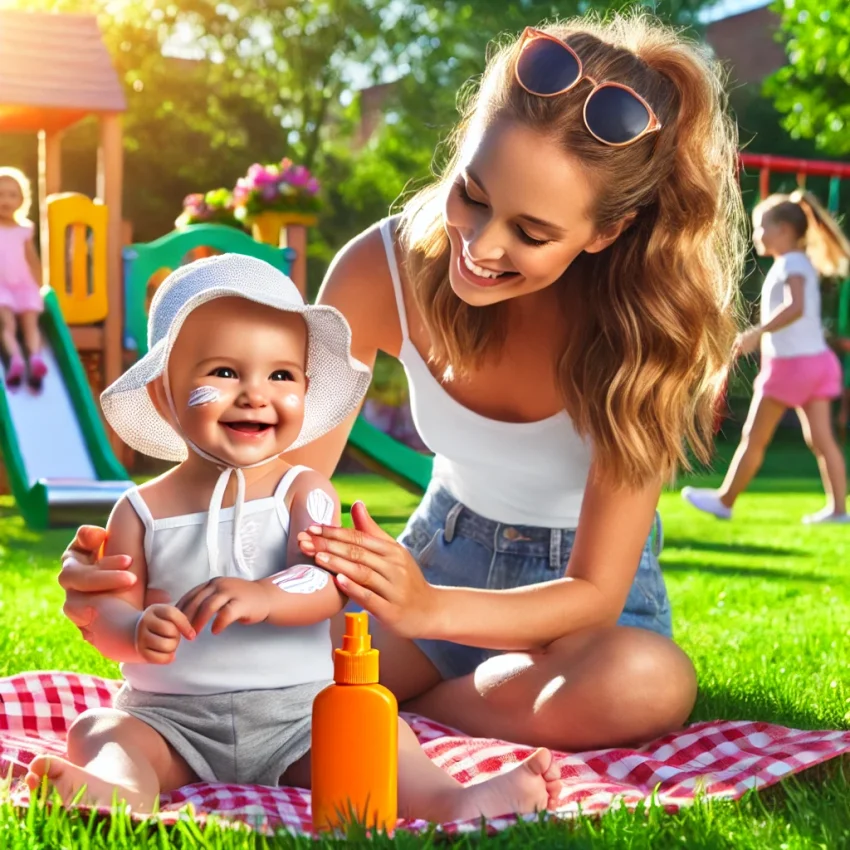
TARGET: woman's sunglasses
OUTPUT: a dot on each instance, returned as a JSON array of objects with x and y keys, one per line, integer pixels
[{"x": 614, "y": 114}]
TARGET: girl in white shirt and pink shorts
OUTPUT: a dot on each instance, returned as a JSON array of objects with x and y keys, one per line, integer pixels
[{"x": 798, "y": 369}]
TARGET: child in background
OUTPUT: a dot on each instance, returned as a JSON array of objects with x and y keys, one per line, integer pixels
[
  {"x": 798, "y": 368},
  {"x": 20, "y": 279},
  {"x": 239, "y": 370}
]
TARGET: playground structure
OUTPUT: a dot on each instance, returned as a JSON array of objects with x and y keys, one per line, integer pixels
[{"x": 54, "y": 72}]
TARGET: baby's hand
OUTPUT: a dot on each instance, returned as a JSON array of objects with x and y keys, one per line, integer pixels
[
  {"x": 159, "y": 631},
  {"x": 233, "y": 600}
]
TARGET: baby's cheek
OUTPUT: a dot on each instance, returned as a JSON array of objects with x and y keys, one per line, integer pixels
[{"x": 293, "y": 403}]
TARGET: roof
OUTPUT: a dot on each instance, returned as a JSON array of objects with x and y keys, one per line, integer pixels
[{"x": 54, "y": 70}]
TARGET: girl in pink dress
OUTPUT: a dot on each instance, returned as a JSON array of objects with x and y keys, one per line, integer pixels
[{"x": 20, "y": 279}]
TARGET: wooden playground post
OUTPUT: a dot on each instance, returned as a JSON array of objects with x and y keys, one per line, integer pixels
[
  {"x": 49, "y": 183},
  {"x": 110, "y": 191}
]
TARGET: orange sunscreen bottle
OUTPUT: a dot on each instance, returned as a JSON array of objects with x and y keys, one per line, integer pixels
[{"x": 355, "y": 739}]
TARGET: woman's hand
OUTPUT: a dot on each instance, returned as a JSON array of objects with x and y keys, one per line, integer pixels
[
  {"x": 747, "y": 342},
  {"x": 376, "y": 572},
  {"x": 84, "y": 575}
]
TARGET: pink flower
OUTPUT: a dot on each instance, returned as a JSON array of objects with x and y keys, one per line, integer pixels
[
  {"x": 312, "y": 186},
  {"x": 269, "y": 192},
  {"x": 297, "y": 176}
]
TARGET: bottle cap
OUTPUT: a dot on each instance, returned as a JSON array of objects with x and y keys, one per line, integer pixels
[{"x": 356, "y": 663}]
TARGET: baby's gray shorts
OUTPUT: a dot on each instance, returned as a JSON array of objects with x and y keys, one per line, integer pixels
[{"x": 245, "y": 738}]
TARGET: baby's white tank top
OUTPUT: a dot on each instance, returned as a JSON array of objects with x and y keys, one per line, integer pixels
[
  {"x": 529, "y": 473},
  {"x": 241, "y": 658}
]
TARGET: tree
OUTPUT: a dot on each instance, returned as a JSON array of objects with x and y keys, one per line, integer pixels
[{"x": 813, "y": 90}]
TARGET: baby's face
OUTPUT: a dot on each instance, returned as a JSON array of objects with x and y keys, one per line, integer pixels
[{"x": 237, "y": 374}]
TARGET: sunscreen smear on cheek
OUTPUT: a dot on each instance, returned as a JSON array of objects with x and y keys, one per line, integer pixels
[{"x": 203, "y": 395}]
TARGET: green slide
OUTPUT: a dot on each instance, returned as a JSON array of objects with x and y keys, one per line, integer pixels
[
  {"x": 60, "y": 466},
  {"x": 388, "y": 457}
]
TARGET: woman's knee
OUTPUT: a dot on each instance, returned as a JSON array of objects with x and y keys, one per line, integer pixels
[{"x": 642, "y": 676}]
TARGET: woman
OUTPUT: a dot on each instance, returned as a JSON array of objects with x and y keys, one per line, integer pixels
[{"x": 562, "y": 301}]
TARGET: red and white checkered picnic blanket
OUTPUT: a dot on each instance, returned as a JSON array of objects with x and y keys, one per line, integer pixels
[{"x": 721, "y": 759}]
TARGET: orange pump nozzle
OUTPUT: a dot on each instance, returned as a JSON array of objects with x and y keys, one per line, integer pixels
[{"x": 356, "y": 663}]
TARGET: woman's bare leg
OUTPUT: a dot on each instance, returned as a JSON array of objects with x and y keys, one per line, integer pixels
[{"x": 601, "y": 688}]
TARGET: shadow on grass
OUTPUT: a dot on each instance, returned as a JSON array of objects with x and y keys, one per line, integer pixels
[
  {"x": 702, "y": 545},
  {"x": 778, "y": 573}
]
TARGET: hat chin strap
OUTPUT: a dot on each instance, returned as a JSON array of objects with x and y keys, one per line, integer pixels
[{"x": 237, "y": 567}]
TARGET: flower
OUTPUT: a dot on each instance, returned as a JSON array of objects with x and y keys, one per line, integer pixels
[
  {"x": 280, "y": 187},
  {"x": 213, "y": 207}
]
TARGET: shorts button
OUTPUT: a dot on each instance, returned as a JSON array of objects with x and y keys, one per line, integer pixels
[{"x": 511, "y": 534}]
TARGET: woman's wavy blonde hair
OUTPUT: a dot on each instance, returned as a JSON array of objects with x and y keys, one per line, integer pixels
[
  {"x": 653, "y": 317},
  {"x": 20, "y": 178},
  {"x": 818, "y": 232}
]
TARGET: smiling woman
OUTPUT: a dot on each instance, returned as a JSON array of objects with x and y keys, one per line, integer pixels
[{"x": 562, "y": 299}]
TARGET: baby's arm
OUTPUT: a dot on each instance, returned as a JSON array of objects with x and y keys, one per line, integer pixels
[
  {"x": 305, "y": 593},
  {"x": 118, "y": 612}
]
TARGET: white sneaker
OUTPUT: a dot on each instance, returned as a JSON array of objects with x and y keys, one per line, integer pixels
[
  {"x": 825, "y": 515},
  {"x": 706, "y": 501}
]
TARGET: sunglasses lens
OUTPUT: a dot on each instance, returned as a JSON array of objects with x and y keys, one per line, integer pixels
[
  {"x": 615, "y": 115},
  {"x": 546, "y": 67}
]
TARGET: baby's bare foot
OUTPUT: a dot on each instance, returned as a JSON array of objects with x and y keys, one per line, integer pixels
[
  {"x": 533, "y": 785},
  {"x": 69, "y": 779}
]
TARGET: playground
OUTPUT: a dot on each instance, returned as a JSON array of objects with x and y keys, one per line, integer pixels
[{"x": 62, "y": 467}]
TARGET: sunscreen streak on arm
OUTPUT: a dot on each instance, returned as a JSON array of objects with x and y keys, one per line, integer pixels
[
  {"x": 302, "y": 579},
  {"x": 320, "y": 507}
]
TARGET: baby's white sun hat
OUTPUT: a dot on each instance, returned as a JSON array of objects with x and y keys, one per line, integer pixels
[{"x": 337, "y": 381}]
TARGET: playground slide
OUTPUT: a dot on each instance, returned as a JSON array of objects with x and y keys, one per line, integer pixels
[
  {"x": 60, "y": 466},
  {"x": 388, "y": 457}
]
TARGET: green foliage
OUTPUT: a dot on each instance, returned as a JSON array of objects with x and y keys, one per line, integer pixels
[{"x": 813, "y": 90}]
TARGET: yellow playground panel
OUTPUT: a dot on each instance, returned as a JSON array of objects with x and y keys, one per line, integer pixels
[{"x": 77, "y": 257}]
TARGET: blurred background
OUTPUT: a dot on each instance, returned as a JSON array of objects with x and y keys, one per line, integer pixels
[{"x": 361, "y": 92}]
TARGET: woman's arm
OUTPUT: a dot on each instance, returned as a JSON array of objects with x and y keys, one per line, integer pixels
[
  {"x": 359, "y": 285},
  {"x": 382, "y": 576}
]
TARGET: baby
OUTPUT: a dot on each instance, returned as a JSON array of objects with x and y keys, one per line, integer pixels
[{"x": 239, "y": 370}]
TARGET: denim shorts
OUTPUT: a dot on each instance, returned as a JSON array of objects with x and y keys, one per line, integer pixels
[{"x": 458, "y": 548}]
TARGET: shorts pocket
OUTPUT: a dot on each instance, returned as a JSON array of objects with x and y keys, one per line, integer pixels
[{"x": 648, "y": 593}]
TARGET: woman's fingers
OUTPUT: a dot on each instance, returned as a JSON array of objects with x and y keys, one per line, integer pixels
[
  {"x": 356, "y": 540},
  {"x": 87, "y": 541},
  {"x": 354, "y": 554},
  {"x": 364, "y": 522},
  {"x": 358, "y": 573},
  {"x": 108, "y": 574},
  {"x": 364, "y": 597}
]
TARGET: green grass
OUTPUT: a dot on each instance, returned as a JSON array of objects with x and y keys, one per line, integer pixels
[{"x": 762, "y": 605}]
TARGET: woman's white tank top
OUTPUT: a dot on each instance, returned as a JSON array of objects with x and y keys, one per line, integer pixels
[
  {"x": 241, "y": 658},
  {"x": 531, "y": 473}
]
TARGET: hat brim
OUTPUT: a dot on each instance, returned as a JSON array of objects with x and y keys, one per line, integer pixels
[{"x": 337, "y": 381}]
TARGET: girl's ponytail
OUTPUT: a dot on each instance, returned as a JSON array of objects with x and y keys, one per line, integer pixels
[{"x": 827, "y": 246}]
